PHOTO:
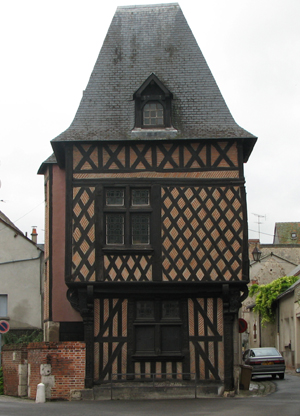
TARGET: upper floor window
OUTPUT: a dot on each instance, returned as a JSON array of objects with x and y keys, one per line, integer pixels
[
  {"x": 152, "y": 104},
  {"x": 127, "y": 216}
]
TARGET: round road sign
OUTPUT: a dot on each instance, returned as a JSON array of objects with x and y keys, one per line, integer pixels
[
  {"x": 4, "y": 327},
  {"x": 242, "y": 325}
]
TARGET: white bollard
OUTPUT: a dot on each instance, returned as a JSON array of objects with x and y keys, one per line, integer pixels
[{"x": 40, "y": 393}]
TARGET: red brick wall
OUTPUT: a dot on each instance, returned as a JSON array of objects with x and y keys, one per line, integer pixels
[
  {"x": 67, "y": 361},
  {"x": 12, "y": 356}
]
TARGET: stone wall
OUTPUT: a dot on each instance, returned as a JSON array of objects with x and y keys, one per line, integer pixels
[{"x": 13, "y": 358}]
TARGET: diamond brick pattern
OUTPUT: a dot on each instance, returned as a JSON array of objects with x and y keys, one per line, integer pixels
[
  {"x": 129, "y": 268},
  {"x": 83, "y": 257},
  {"x": 202, "y": 234}
]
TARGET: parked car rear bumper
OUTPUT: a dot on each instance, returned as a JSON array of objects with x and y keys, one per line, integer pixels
[{"x": 267, "y": 369}]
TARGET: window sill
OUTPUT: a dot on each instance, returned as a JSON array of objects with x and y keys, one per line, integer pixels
[
  {"x": 158, "y": 357},
  {"x": 127, "y": 250},
  {"x": 154, "y": 133},
  {"x": 152, "y": 128}
]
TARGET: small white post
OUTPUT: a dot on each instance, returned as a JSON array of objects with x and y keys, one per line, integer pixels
[{"x": 40, "y": 393}]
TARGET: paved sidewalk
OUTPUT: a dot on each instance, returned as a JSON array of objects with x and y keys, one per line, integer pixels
[
  {"x": 257, "y": 388},
  {"x": 263, "y": 387}
]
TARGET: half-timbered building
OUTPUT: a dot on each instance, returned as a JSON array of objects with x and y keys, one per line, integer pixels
[{"x": 146, "y": 251}]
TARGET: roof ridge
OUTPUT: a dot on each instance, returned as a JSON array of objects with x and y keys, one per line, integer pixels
[{"x": 147, "y": 6}]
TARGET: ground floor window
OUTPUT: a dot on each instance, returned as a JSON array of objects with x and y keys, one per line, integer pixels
[{"x": 158, "y": 328}]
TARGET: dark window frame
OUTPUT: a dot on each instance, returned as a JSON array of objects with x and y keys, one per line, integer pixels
[
  {"x": 158, "y": 327},
  {"x": 128, "y": 210}
]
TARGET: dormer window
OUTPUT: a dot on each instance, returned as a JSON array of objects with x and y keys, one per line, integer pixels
[{"x": 152, "y": 104}]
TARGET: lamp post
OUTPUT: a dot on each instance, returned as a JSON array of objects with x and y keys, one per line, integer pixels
[{"x": 256, "y": 253}]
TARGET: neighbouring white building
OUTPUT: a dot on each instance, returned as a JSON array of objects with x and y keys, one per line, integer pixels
[{"x": 21, "y": 271}]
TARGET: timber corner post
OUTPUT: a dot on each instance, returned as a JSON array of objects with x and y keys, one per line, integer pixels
[{"x": 86, "y": 302}]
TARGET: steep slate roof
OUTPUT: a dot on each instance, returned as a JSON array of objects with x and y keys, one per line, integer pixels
[
  {"x": 142, "y": 40},
  {"x": 283, "y": 233}
]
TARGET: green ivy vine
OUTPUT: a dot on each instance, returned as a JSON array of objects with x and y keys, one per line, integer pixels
[{"x": 267, "y": 294}]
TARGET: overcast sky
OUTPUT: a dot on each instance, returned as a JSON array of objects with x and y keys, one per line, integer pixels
[{"x": 49, "y": 48}]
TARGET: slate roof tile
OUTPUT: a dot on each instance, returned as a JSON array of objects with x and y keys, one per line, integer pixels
[{"x": 152, "y": 39}]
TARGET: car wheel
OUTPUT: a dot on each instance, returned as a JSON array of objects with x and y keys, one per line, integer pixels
[{"x": 281, "y": 376}]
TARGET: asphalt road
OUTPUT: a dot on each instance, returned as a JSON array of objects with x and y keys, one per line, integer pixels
[{"x": 284, "y": 402}]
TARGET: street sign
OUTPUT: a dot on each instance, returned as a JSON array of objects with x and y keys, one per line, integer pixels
[
  {"x": 4, "y": 327},
  {"x": 242, "y": 325}
]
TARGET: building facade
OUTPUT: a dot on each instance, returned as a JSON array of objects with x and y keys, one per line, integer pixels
[
  {"x": 277, "y": 260},
  {"x": 147, "y": 248},
  {"x": 288, "y": 323},
  {"x": 21, "y": 274}
]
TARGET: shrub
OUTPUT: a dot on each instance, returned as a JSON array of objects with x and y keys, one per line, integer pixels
[
  {"x": 267, "y": 294},
  {"x": 25, "y": 338}
]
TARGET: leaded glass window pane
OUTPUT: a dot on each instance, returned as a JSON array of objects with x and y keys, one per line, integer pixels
[
  {"x": 115, "y": 197},
  {"x": 170, "y": 309},
  {"x": 140, "y": 197},
  {"x": 140, "y": 229},
  {"x": 114, "y": 229},
  {"x": 153, "y": 114},
  {"x": 145, "y": 309}
]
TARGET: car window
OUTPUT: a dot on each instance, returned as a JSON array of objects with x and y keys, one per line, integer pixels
[{"x": 263, "y": 352}]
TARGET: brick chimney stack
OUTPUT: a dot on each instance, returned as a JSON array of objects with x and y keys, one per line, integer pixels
[{"x": 34, "y": 234}]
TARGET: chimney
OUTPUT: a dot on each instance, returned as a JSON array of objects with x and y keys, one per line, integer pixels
[{"x": 34, "y": 234}]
